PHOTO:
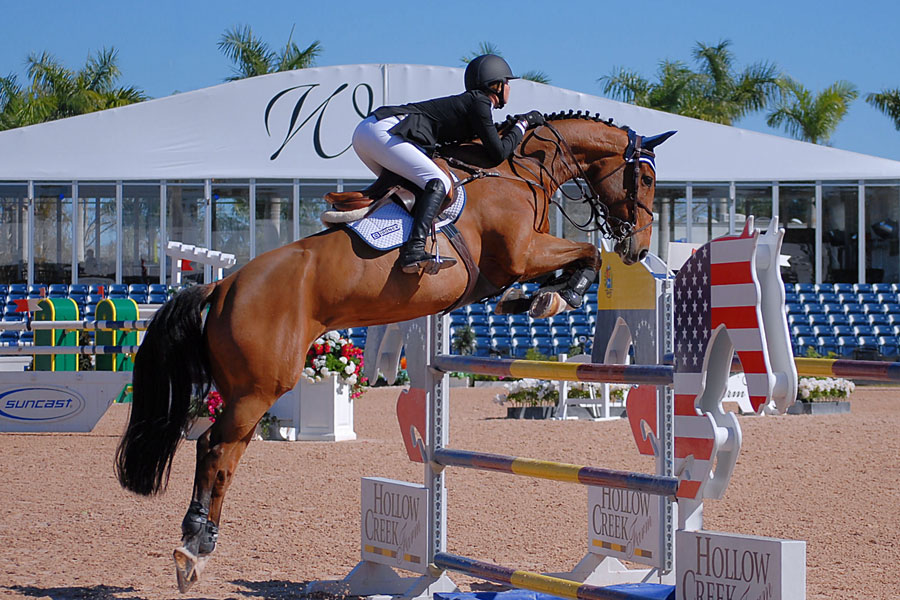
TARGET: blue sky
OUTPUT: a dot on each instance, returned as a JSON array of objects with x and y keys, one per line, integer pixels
[{"x": 169, "y": 46}]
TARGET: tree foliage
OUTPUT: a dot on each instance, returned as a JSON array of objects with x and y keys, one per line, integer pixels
[
  {"x": 55, "y": 91},
  {"x": 888, "y": 102},
  {"x": 252, "y": 56},
  {"x": 715, "y": 92},
  {"x": 811, "y": 117}
]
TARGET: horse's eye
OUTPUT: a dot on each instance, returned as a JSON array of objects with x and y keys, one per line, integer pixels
[{"x": 647, "y": 180}]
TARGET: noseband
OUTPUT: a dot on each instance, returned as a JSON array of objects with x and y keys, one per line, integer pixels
[{"x": 610, "y": 226}]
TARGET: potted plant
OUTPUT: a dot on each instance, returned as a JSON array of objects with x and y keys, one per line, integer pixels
[
  {"x": 203, "y": 412},
  {"x": 822, "y": 395},
  {"x": 321, "y": 406},
  {"x": 529, "y": 399}
]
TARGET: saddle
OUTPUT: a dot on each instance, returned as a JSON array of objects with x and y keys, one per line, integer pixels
[{"x": 388, "y": 185}]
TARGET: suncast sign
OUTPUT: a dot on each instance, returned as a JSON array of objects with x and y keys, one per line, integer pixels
[
  {"x": 40, "y": 404},
  {"x": 32, "y": 401}
]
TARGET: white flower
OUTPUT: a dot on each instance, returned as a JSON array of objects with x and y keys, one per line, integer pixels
[
  {"x": 320, "y": 341},
  {"x": 343, "y": 359},
  {"x": 333, "y": 336},
  {"x": 323, "y": 371},
  {"x": 351, "y": 380},
  {"x": 350, "y": 369},
  {"x": 309, "y": 372}
]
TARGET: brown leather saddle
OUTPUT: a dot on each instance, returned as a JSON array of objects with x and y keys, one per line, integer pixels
[{"x": 387, "y": 184}]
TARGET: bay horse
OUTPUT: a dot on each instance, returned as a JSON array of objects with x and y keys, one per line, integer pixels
[{"x": 261, "y": 319}]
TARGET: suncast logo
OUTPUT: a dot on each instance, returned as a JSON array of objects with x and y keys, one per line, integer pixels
[{"x": 40, "y": 404}]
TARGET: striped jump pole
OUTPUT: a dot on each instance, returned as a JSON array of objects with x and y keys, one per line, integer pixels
[
  {"x": 139, "y": 325},
  {"x": 872, "y": 370},
  {"x": 538, "y": 369},
  {"x": 542, "y": 469},
  {"x": 87, "y": 350},
  {"x": 527, "y": 580}
]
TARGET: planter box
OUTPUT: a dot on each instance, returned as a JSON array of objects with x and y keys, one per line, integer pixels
[
  {"x": 530, "y": 412},
  {"x": 320, "y": 411},
  {"x": 819, "y": 408}
]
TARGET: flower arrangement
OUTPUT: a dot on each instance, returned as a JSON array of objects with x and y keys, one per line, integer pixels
[
  {"x": 538, "y": 392},
  {"x": 332, "y": 354},
  {"x": 818, "y": 389},
  {"x": 210, "y": 407}
]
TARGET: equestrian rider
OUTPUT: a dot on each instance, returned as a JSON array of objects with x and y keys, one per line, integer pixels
[{"x": 403, "y": 138}]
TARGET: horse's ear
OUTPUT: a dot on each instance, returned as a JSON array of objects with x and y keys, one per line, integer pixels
[{"x": 652, "y": 142}]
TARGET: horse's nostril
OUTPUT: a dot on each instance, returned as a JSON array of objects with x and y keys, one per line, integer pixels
[{"x": 643, "y": 254}]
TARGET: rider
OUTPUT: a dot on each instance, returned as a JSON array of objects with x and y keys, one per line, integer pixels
[{"x": 403, "y": 138}]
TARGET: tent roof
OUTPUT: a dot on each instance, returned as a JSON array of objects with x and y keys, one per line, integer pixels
[{"x": 298, "y": 124}]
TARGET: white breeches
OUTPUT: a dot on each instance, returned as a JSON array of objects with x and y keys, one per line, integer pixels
[{"x": 378, "y": 149}]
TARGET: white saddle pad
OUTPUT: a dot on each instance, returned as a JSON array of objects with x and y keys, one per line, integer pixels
[{"x": 389, "y": 225}]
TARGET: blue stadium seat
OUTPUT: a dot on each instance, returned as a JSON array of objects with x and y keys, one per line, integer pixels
[
  {"x": 18, "y": 288},
  {"x": 883, "y": 330},
  {"x": 476, "y": 309},
  {"x": 9, "y": 338},
  {"x": 843, "y": 288},
  {"x": 853, "y": 308},
  {"x": 862, "y": 288},
  {"x": 861, "y": 330},
  {"x": 579, "y": 331},
  {"x": 809, "y": 298},
  {"x": 867, "y": 299},
  {"x": 27, "y": 337},
  {"x": 92, "y": 299},
  {"x": 894, "y": 319},
  {"x": 805, "y": 288},
  {"x": 828, "y": 298},
  {"x": 858, "y": 319},
  {"x": 519, "y": 347},
  {"x": 4, "y": 289},
  {"x": 884, "y": 288},
  {"x": 139, "y": 298},
  {"x": 847, "y": 346},
  {"x": 540, "y": 331},
  {"x": 838, "y": 319},
  {"x": 791, "y": 297},
  {"x": 39, "y": 289},
  {"x": 520, "y": 320},
  {"x": 58, "y": 290},
  {"x": 879, "y": 319},
  {"x": 501, "y": 346},
  {"x": 157, "y": 298},
  {"x": 138, "y": 288},
  {"x": 819, "y": 331},
  {"x": 889, "y": 298},
  {"x": 818, "y": 319},
  {"x": 888, "y": 346},
  {"x": 833, "y": 308},
  {"x": 98, "y": 289},
  {"x": 157, "y": 288},
  {"x": 804, "y": 342},
  {"x": 868, "y": 341},
  {"x": 519, "y": 331},
  {"x": 498, "y": 320},
  {"x": 814, "y": 308},
  {"x": 458, "y": 319},
  {"x": 847, "y": 298},
  {"x": 804, "y": 330},
  {"x": 481, "y": 331},
  {"x": 794, "y": 309},
  {"x": 839, "y": 330},
  {"x": 479, "y": 320},
  {"x": 499, "y": 332},
  {"x": 78, "y": 288}
]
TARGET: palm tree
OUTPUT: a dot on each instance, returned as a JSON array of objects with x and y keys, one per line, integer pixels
[
  {"x": 57, "y": 92},
  {"x": 490, "y": 48},
  {"x": 888, "y": 102},
  {"x": 811, "y": 117},
  {"x": 715, "y": 92},
  {"x": 252, "y": 56}
]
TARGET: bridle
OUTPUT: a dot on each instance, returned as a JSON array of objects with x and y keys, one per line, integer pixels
[{"x": 600, "y": 220}]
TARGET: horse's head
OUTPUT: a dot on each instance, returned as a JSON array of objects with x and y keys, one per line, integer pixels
[
  {"x": 618, "y": 168},
  {"x": 626, "y": 182}
]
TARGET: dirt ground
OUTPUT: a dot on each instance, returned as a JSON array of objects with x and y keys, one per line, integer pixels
[{"x": 292, "y": 515}]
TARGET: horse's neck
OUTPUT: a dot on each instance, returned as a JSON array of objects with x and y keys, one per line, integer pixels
[{"x": 585, "y": 142}]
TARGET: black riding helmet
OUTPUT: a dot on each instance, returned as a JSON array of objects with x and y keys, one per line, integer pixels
[{"x": 485, "y": 70}]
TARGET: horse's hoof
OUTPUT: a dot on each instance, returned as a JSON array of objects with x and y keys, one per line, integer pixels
[
  {"x": 187, "y": 568},
  {"x": 512, "y": 301},
  {"x": 547, "y": 304}
]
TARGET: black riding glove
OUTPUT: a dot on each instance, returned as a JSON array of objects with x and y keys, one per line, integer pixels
[{"x": 533, "y": 119}]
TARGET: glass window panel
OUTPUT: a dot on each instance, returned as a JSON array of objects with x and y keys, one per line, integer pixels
[
  {"x": 186, "y": 220},
  {"x": 231, "y": 221},
  {"x": 274, "y": 216},
  {"x": 752, "y": 200},
  {"x": 840, "y": 234},
  {"x": 140, "y": 233},
  {"x": 882, "y": 216},
  {"x": 52, "y": 233},
  {"x": 797, "y": 214},
  {"x": 670, "y": 220},
  {"x": 709, "y": 212},
  {"x": 312, "y": 204},
  {"x": 95, "y": 220},
  {"x": 13, "y": 233}
]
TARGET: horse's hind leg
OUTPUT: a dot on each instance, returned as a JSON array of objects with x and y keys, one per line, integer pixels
[{"x": 218, "y": 454}]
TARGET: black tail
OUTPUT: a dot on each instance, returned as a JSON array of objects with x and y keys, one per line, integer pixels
[{"x": 170, "y": 367}]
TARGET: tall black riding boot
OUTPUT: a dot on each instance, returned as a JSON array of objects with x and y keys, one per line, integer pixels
[{"x": 413, "y": 254}]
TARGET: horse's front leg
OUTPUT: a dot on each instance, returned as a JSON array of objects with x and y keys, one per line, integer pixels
[{"x": 580, "y": 263}]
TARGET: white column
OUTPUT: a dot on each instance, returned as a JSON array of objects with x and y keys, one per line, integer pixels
[
  {"x": 163, "y": 229},
  {"x": 76, "y": 232},
  {"x": 861, "y": 230},
  {"x": 119, "y": 250},
  {"x": 819, "y": 259}
]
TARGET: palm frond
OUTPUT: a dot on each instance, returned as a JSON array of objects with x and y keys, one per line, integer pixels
[
  {"x": 888, "y": 102},
  {"x": 536, "y": 76},
  {"x": 483, "y": 48},
  {"x": 251, "y": 56}
]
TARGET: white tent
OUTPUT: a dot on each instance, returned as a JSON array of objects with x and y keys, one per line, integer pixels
[{"x": 298, "y": 124}]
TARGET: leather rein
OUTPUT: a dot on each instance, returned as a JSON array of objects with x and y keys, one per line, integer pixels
[{"x": 610, "y": 226}]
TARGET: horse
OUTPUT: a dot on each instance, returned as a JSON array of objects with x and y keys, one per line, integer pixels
[{"x": 259, "y": 321}]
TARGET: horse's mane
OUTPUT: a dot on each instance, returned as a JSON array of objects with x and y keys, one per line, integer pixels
[{"x": 472, "y": 152}]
